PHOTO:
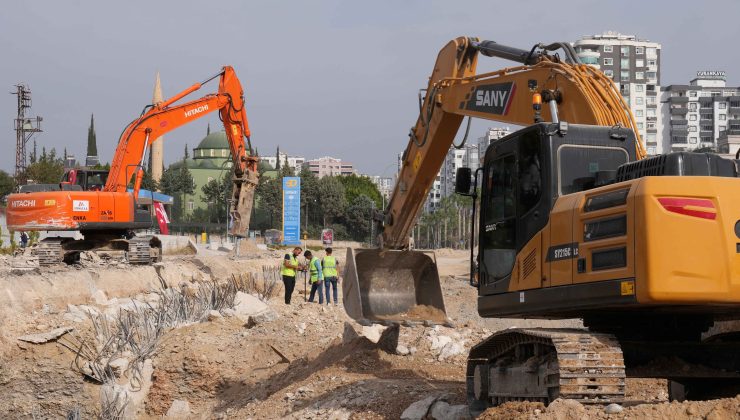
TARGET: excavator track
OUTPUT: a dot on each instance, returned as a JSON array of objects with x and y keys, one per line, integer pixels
[
  {"x": 139, "y": 251},
  {"x": 545, "y": 364},
  {"x": 50, "y": 252}
]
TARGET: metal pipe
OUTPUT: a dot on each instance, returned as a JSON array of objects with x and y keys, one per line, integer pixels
[
  {"x": 493, "y": 49},
  {"x": 554, "y": 111}
]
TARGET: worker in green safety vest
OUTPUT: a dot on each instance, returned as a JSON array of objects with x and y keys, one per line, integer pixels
[
  {"x": 288, "y": 270},
  {"x": 331, "y": 275},
  {"x": 316, "y": 276}
]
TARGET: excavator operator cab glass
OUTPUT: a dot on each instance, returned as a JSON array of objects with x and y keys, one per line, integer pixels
[{"x": 582, "y": 167}]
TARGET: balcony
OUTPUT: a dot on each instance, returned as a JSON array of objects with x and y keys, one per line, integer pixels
[
  {"x": 651, "y": 118},
  {"x": 679, "y": 122},
  {"x": 679, "y": 110},
  {"x": 678, "y": 99}
]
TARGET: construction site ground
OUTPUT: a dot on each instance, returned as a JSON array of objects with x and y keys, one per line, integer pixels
[{"x": 304, "y": 360}]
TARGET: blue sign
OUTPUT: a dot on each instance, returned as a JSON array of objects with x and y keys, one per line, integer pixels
[{"x": 291, "y": 210}]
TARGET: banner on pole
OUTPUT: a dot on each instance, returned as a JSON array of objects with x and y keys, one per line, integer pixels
[
  {"x": 291, "y": 210},
  {"x": 162, "y": 218}
]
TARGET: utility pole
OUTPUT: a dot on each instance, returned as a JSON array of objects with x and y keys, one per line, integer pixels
[{"x": 25, "y": 128}]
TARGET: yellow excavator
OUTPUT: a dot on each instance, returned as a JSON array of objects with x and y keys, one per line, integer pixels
[{"x": 575, "y": 221}]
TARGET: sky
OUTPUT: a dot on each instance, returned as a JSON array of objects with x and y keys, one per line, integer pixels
[{"x": 321, "y": 78}]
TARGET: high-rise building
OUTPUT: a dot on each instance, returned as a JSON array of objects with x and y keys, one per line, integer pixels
[
  {"x": 326, "y": 165},
  {"x": 385, "y": 184},
  {"x": 699, "y": 114},
  {"x": 444, "y": 184},
  {"x": 634, "y": 66},
  {"x": 491, "y": 135}
]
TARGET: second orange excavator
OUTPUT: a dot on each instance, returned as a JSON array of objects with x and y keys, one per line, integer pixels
[{"x": 108, "y": 219}]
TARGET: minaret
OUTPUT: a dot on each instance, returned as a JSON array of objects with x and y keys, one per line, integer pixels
[{"x": 157, "y": 148}]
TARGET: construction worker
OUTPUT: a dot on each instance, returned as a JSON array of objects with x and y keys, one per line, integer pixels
[
  {"x": 290, "y": 265},
  {"x": 330, "y": 266},
  {"x": 316, "y": 276}
]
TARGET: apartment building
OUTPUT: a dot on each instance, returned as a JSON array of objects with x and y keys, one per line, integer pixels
[
  {"x": 330, "y": 166},
  {"x": 634, "y": 66},
  {"x": 704, "y": 113}
]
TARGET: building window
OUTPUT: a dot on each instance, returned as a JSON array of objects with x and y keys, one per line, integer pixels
[
  {"x": 692, "y": 140},
  {"x": 651, "y": 150},
  {"x": 211, "y": 152},
  {"x": 692, "y": 117},
  {"x": 651, "y": 112},
  {"x": 651, "y": 137},
  {"x": 638, "y": 113},
  {"x": 652, "y": 63},
  {"x": 722, "y": 105},
  {"x": 640, "y": 63},
  {"x": 625, "y": 63},
  {"x": 693, "y": 106},
  {"x": 650, "y": 88},
  {"x": 608, "y": 48},
  {"x": 651, "y": 100},
  {"x": 639, "y": 50},
  {"x": 640, "y": 126},
  {"x": 625, "y": 75},
  {"x": 625, "y": 50},
  {"x": 722, "y": 127},
  {"x": 223, "y": 153},
  {"x": 639, "y": 100},
  {"x": 722, "y": 117},
  {"x": 609, "y": 73},
  {"x": 191, "y": 205},
  {"x": 624, "y": 89},
  {"x": 651, "y": 126},
  {"x": 639, "y": 75},
  {"x": 692, "y": 128},
  {"x": 651, "y": 52},
  {"x": 652, "y": 75},
  {"x": 692, "y": 93},
  {"x": 608, "y": 61}
]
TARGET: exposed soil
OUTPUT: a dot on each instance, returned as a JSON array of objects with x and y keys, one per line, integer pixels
[{"x": 308, "y": 362}]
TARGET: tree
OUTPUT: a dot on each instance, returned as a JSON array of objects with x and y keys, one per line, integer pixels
[
  {"x": 358, "y": 218},
  {"x": 331, "y": 199},
  {"x": 178, "y": 182},
  {"x": 48, "y": 169},
  {"x": 355, "y": 186},
  {"x": 92, "y": 144},
  {"x": 148, "y": 183},
  {"x": 7, "y": 184},
  {"x": 214, "y": 193}
]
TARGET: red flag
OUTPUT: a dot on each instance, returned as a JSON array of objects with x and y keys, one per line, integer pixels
[{"x": 161, "y": 218}]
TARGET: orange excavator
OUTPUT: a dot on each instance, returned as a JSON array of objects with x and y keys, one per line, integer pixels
[
  {"x": 108, "y": 219},
  {"x": 575, "y": 222}
]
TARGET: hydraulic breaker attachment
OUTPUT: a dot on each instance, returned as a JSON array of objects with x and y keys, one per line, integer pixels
[
  {"x": 243, "y": 200},
  {"x": 393, "y": 287}
]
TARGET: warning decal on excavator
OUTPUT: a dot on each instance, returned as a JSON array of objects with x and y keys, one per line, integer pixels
[
  {"x": 417, "y": 161},
  {"x": 491, "y": 99},
  {"x": 627, "y": 287}
]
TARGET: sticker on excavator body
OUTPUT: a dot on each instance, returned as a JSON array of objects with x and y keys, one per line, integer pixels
[
  {"x": 627, "y": 288},
  {"x": 417, "y": 161}
]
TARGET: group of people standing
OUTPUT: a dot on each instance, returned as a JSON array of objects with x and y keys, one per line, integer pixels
[{"x": 323, "y": 274}]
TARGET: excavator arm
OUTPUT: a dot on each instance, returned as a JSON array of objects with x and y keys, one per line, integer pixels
[
  {"x": 396, "y": 284},
  {"x": 159, "y": 119},
  {"x": 580, "y": 93}
]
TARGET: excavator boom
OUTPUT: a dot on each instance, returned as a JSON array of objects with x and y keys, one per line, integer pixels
[{"x": 573, "y": 92}]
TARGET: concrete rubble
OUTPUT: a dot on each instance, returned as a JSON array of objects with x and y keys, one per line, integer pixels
[{"x": 46, "y": 336}]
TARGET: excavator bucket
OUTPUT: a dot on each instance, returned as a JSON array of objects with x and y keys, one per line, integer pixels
[{"x": 393, "y": 286}]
